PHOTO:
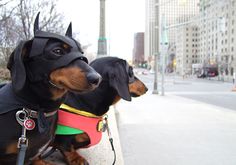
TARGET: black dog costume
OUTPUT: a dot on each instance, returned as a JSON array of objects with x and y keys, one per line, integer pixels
[{"x": 29, "y": 95}]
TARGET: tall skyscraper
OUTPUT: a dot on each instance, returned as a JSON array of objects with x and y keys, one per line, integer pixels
[
  {"x": 217, "y": 35},
  {"x": 175, "y": 12},
  {"x": 102, "y": 41},
  {"x": 151, "y": 40},
  {"x": 138, "y": 51}
]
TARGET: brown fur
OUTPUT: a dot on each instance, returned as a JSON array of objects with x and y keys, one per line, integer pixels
[
  {"x": 73, "y": 158},
  {"x": 137, "y": 87},
  {"x": 68, "y": 79},
  {"x": 12, "y": 148},
  {"x": 117, "y": 98},
  {"x": 82, "y": 138},
  {"x": 39, "y": 161}
]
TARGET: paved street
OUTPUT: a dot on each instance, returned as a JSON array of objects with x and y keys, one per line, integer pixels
[
  {"x": 194, "y": 124},
  {"x": 209, "y": 91}
]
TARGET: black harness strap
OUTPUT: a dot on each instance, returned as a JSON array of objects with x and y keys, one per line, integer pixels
[{"x": 21, "y": 155}]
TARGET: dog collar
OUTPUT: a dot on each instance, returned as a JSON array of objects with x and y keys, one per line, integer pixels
[
  {"x": 72, "y": 121},
  {"x": 79, "y": 112}
]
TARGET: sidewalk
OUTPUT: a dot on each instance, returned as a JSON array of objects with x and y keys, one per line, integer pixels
[
  {"x": 102, "y": 153},
  {"x": 172, "y": 130},
  {"x": 167, "y": 130}
]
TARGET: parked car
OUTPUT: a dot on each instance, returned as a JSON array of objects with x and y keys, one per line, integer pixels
[
  {"x": 202, "y": 75},
  {"x": 209, "y": 71},
  {"x": 211, "y": 74}
]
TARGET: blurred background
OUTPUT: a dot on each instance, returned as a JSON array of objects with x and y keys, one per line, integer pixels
[{"x": 196, "y": 37}]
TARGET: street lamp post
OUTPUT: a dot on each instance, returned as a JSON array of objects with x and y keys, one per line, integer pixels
[
  {"x": 156, "y": 53},
  {"x": 155, "y": 87},
  {"x": 102, "y": 41},
  {"x": 164, "y": 44}
]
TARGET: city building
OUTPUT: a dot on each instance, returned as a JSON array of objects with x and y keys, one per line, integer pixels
[
  {"x": 217, "y": 35},
  {"x": 212, "y": 43},
  {"x": 187, "y": 48},
  {"x": 138, "y": 50},
  {"x": 175, "y": 13},
  {"x": 151, "y": 44}
]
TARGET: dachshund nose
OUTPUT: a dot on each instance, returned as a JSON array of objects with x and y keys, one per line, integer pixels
[
  {"x": 94, "y": 78},
  {"x": 146, "y": 89}
]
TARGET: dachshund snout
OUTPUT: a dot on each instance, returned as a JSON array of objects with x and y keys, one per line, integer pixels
[{"x": 94, "y": 78}]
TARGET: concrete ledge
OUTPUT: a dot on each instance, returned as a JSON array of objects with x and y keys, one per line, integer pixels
[{"x": 100, "y": 154}]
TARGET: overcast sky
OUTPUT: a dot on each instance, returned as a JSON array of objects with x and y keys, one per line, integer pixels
[{"x": 123, "y": 19}]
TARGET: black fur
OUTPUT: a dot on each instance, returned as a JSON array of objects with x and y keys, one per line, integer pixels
[
  {"x": 116, "y": 77},
  {"x": 22, "y": 92}
]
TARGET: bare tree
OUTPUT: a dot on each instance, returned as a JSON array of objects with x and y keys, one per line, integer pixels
[
  {"x": 50, "y": 19},
  {"x": 8, "y": 37},
  {"x": 6, "y": 13},
  {"x": 4, "y": 3},
  {"x": 16, "y": 22}
]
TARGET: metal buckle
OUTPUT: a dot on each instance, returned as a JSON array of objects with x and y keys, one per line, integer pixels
[
  {"x": 22, "y": 141},
  {"x": 21, "y": 115},
  {"x": 102, "y": 124},
  {"x": 33, "y": 114},
  {"x": 23, "y": 118}
]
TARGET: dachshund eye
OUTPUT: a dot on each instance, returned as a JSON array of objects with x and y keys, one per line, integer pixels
[
  {"x": 58, "y": 51},
  {"x": 130, "y": 72},
  {"x": 131, "y": 75}
]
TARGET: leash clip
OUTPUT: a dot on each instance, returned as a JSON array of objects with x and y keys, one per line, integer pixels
[
  {"x": 22, "y": 141},
  {"x": 23, "y": 118}
]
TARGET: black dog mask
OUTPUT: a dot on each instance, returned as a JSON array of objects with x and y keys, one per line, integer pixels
[{"x": 40, "y": 63}]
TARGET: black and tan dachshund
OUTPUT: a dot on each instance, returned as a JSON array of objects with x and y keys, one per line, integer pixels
[
  {"x": 42, "y": 70},
  {"x": 118, "y": 81}
]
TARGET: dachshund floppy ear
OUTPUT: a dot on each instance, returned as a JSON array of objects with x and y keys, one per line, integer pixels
[
  {"x": 16, "y": 66},
  {"x": 118, "y": 79}
]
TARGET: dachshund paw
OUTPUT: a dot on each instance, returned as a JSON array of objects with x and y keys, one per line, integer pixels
[
  {"x": 41, "y": 162},
  {"x": 73, "y": 158}
]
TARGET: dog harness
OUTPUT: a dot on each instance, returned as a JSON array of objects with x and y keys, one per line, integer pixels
[{"x": 73, "y": 121}]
